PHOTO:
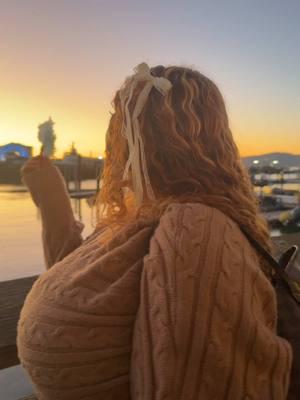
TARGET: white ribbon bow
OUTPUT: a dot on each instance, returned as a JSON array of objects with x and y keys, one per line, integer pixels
[
  {"x": 131, "y": 128},
  {"x": 143, "y": 73}
]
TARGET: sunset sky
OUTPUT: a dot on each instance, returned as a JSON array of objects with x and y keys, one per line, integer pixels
[{"x": 66, "y": 58}]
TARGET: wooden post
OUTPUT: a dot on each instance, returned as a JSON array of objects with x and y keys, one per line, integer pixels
[
  {"x": 78, "y": 173},
  {"x": 281, "y": 179},
  {"x": 99, "y": 175}
]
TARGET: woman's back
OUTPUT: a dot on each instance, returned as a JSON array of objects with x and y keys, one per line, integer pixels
[{"x": 185, "y": 312}]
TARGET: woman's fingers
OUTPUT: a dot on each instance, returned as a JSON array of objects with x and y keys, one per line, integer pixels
[{"x": 35, "y": 163}]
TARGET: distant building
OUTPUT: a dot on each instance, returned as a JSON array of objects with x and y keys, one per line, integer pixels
[
  {"x": 15, "y": 150},
  {"x": 72, "y": 155}
]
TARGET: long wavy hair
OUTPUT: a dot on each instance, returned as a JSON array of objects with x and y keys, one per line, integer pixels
[{"x": 190, "y": 151}]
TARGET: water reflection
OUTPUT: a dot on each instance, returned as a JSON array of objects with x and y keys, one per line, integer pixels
[{"x": 20, "y": 232}]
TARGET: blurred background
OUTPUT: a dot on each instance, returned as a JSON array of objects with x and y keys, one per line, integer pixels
[{"x": 63, "y": 60}]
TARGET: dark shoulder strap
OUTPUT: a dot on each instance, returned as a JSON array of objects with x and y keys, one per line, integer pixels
[
  {"x": 290, "y": 285},
  {"x": 266, "y": 255}
]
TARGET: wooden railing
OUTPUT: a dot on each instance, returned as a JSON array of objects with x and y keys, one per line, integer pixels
[{"x": 12, "y": 296}]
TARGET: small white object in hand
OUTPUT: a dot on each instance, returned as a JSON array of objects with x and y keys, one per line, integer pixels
[{"x": 47, "y": 137}]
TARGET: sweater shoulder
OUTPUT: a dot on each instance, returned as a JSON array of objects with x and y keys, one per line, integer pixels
[
  {"x": 188, "y": 220},
  {"x": 192, "y": 211},
  {"x": 203, "y": 233}
]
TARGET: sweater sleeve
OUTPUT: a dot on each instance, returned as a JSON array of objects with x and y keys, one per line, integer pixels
[
  {"x": 61, "y": 233},
  {"x": 206, "y": 325}
]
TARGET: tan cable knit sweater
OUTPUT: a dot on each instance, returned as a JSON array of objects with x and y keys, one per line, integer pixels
[{"x": 180, "y": 312}]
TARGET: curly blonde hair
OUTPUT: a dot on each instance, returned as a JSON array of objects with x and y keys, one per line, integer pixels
[{"x": 190, "y": 151}]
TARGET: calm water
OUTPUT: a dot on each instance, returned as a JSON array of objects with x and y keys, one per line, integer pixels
[{"x": 20, "y": 232}]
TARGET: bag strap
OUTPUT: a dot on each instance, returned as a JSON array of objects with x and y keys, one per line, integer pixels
[
  {"x": 290, "y": 285},
  {"x": 267, "y": 256}
]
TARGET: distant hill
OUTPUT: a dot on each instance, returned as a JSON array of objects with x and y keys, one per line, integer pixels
[{"x": 284, "y": 160}]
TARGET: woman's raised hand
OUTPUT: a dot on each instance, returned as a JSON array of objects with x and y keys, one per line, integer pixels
[{"x": 35, "y": 163}]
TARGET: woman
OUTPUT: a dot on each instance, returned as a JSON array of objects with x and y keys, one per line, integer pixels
[{"x": 167, "y": 299}]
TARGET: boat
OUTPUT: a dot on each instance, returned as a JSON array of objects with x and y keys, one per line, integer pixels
[{"x": 286, "y": 198}]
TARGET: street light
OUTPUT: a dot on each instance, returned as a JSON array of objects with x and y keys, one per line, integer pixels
[{"x": 255, "y": 161}]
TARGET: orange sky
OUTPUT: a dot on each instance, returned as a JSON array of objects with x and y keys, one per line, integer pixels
[{"x": 67, "y": 58}]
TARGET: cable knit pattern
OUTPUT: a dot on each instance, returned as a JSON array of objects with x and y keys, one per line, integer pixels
[
  {"x": 180, "y": 313},
  {"x": 206, "y": 324}
]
